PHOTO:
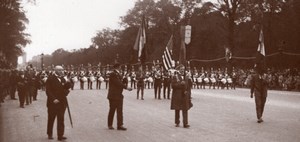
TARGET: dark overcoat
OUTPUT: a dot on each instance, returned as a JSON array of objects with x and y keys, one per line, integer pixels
[
  {"x": 56, "y": 89},
  {"x": 181, "y": 95}
]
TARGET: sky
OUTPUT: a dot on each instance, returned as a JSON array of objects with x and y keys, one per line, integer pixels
[{"x": 70, "y": 24}]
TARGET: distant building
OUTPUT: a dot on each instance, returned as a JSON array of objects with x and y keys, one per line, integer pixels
[{"x": 24, "y": 57}]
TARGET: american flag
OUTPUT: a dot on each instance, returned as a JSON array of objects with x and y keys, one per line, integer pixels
[{"x": 168, "y": 62}]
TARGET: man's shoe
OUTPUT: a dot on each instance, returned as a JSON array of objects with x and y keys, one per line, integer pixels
[
  {"x": 111, "y": 127},
  {"x": 186, "y": 126},
  {"x": 259, "y": 120},
  {"x": 177, "y": 125},
  {"x": 61, "y": 138},
  {"x": 50, "y": 137},
  {"x": 122, "y": 128}
]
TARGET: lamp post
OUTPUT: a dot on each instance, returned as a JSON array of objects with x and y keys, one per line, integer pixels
[
  {"x": 42, "y": 61},
  {"x": 280, "y": 50}
]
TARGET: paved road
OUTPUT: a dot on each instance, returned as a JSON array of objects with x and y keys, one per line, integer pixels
[{"x": 217, "y": 115}]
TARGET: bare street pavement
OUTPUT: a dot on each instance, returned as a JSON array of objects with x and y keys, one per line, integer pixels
[{"x": 217, "y": 116}]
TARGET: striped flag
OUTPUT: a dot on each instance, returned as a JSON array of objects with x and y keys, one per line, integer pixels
[
  {"x": 261, "y": 53},
  {"x": 168, "y": 62},
  {"x": 261, "y": 45},
  {"x": 140, "y": 42}
]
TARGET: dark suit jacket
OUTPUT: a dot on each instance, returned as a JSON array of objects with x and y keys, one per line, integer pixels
[
  {"x": 56, "y": 90},
  {"x": 115, "y": 86}
]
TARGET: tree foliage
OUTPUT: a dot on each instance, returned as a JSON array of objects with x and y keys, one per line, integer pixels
[
  {"x": 232, "y": 23},
  {"x": 12, "y": 36}
]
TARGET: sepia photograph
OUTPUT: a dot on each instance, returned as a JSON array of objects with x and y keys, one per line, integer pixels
[{"x": 150, "y": 70}]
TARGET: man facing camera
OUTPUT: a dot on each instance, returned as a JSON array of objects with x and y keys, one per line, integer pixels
[
  {"x": 115, "y": 97},
  {"x": 57, "y": 89}
]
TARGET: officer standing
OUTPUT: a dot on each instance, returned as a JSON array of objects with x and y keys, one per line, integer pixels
[{"x": 115, "y": 97}]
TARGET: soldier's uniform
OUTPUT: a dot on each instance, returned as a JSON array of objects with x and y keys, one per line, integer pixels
[
  {"x": 167, "y": 84},
  {"x": 133, "y": 79},
  {"x": 90, "y": 77},
  {"x": 99, "y": 79},
  {"x": 259, "y": 89}
]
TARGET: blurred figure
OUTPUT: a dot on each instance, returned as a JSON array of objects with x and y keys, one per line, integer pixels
[{"x": 259, "y": 89}]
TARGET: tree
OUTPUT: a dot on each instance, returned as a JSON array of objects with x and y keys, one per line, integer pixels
[{"x": 12, "y": 26}]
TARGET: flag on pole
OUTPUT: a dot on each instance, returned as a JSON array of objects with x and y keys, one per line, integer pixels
[
  {"x": 140, "y": 42},
  {"x": 261, "y": 53},
  {"x": 182, "y": 53},
  {"x": 261, "y": 45},
  {"x": 168, "y": 62}
]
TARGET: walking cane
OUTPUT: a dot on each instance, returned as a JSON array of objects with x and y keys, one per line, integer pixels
[{"x": 69, "y": 112}]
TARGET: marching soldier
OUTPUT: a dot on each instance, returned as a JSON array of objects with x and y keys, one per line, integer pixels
[
  {"x": 157, "y": 82},
  {"x": 167, "y": 84},
  {"x": 22, "y": 87},
  {"x": 259, "y": 89},
  {"x": 125, "y": 76},
  {"x": 148, "y": 79},
  {"x": 82, "y": 80},
  {"x": 73, "y": 79},
  {"x": 31, "y": 84},
  {"x": 90, "y": 79},
  {"x": 133, "y": 78},
  {"x": 140, "y": 82},
  {"x": 99, "y": 79},
  {"x": 195, "y": 76}
]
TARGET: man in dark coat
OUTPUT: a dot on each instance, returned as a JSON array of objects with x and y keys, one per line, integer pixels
[
  {"x": 22, "y": 87},
  {"x": 57, "y": 90},
  {"x": 259, "y": 89},
  {"x": 115, "y": 97},
  {"x": 181, "y": 96}
]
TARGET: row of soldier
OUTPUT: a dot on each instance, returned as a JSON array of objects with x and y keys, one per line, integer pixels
[
  {"x": 25, "y": 82},
  {"x": 28, "y": 81},
  {"x": 213, "y": 78}
]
